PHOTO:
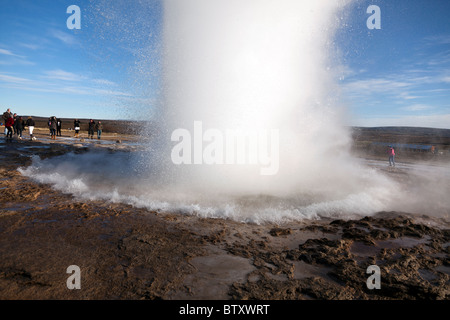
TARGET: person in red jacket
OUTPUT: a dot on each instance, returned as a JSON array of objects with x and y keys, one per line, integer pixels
[
  {"x": 9, "y": 127},
  {"x": 391, "y": 153}
]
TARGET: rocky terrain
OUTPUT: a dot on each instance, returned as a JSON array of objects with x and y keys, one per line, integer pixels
[{"x": 129, "y": 253}]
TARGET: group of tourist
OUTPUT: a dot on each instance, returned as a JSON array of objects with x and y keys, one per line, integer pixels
[
  {"x": 92, "y": 128},
  {"x": 14, "y": 125},
  {"x": 55, "y": 126}
]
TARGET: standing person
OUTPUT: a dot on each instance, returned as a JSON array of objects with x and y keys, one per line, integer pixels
[
  {"x": 30, "y": 124},
  {"x": 76, "y": 127},
  {"x": 58, "y": 127},
  {"x": 91, "y": 129},
  {"x": 19, "y": 125},
  {"x": 391, "y": 153},
  {"x": 9, "y": 124},
  {"x": 53, "y": 125},
  {"x": 49, "y": 122},
  {"x": 6, "y": 115},
  {"x": 99, "y": 128},
  {"x": 15, "y": 119}
]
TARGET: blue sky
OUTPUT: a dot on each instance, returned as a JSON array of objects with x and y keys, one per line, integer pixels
[
  {"x": 398, "y": 75},
  {"x": 47, "y": 69}
]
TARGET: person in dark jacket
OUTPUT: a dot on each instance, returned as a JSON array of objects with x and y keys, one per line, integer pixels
[
  {"x": 6, "y": 115},
  {"x": 91, "y": 129},
  {"x": 76, "y": 127},
  {"x": 15, "y": 119},
  {"x": 9, "y": 127},
  {"x": 58, "y": 127},
  {"x": 53, "y": 126},
  {"x": 99, "y": 129},
  {"x": 49, "y": 123},
  {"x": 19, "y": 124},
  {"x": 30, "y": 124}
]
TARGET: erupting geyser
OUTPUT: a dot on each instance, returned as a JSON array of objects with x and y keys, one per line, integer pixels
[
  {"x": 251, "y": 109},
  {"x": 258, "y": 69}
]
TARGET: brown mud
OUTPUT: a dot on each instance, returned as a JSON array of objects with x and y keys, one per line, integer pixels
[{"x": 129, "y": 253}]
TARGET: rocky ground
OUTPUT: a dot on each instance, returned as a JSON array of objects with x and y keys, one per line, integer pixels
[{"x": 129, "y": 253}]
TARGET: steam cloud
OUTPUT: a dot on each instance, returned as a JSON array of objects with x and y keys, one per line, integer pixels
[{"x": 258, "y": 65}]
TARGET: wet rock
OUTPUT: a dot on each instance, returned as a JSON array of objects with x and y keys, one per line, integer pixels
[
  {"x": 276, "y": 232},
  {"x": 410, "y": 270}
]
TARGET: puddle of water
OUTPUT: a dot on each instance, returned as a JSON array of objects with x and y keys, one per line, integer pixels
[
  {"x": 363, "y": 250},
  {"x": 35, "y": 147},
  {"x": 427, "y": 275},
  {"x": 402, "y": 242},
  {"x": 214, "y": 274},
  {"x": 443, "y": 269},
  {"x": 278, "y": 277},
  {"x": 17, "y": 208},
  {"x": 304, "y": 270}
]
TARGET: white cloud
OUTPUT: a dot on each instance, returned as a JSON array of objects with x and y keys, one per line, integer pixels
[
  {"x": 112, "y": 93},
  {"x": 13, "y": 79},
  {"x": 11, "y": 58},
  {"x": 23, "y": 84},
  {"x": 376, "y": 85},
  {"x": 30, "y": 46},
  {"x": 64, "y": 37},
  {"x": 8, "y": 53},
  {"x": 103, "y": 82},
  {"x": 438, "y": 39},
  {"x": 63, "y": 75},
  {"x": 417, "y": 107},
  {"x": 400, "y": 88}
]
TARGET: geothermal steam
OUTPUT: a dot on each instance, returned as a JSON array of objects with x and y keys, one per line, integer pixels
[
  {"x": 257, "y": 67},
  {"x": 260, "y": 69}
]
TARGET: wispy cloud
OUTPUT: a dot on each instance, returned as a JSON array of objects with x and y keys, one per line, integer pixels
[
  {"x": 63, "y": 75},
  {"x": 417, "y": 107},
  {"x": 438, "y": 39},
  {"x": 30, "y": 46},
  {"x": 9, "y": 53},
  {"x": 368, "y": 86},
  {"x": 65, "y": 37},
  {"x": 62, "y": 82},
  {"x": 403, "y": 87},
  {"x": 11, "y": 58},
  {"x": 13, "y": 79},
  {"x": 104, "y": 82}
]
